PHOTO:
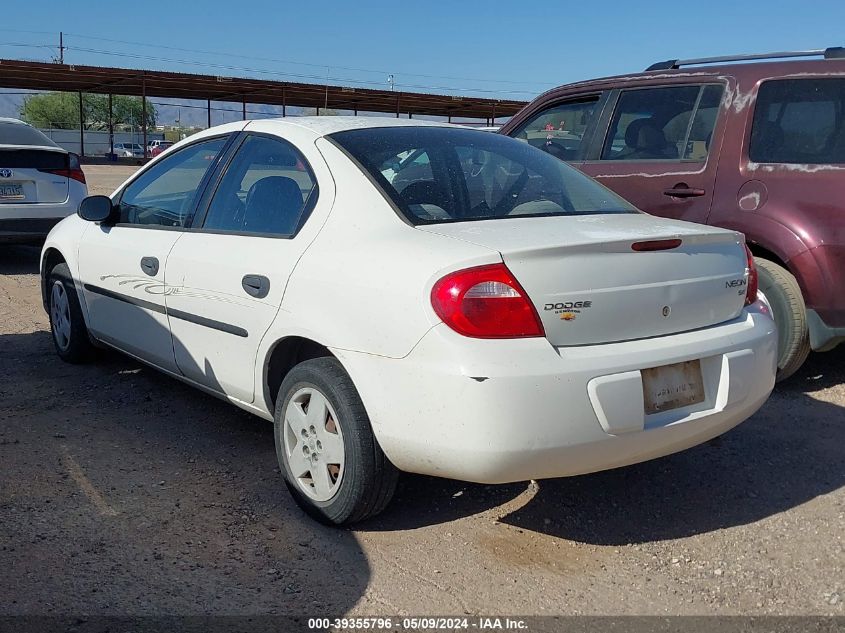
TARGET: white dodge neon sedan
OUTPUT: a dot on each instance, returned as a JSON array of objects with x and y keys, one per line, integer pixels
[{"x": 405, "y": 296}]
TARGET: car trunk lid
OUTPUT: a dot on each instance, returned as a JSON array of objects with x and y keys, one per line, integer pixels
[{"x": 589, "y": 284}]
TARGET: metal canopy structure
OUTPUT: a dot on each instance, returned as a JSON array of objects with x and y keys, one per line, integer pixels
[{"x": 154, "y": 83}]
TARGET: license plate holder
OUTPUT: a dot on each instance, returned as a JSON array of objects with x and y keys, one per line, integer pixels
[
  {"x": 672, "y": 386},
  {"x": 11, "y": 191}
]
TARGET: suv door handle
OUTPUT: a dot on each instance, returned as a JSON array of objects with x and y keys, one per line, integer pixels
[
  {"x": 257, "y": 286},
  {"x": 150, "y": 265},
  {"x": 682, "y": 190}
]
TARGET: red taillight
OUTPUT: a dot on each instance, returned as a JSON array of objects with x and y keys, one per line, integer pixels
[
  {"x": 73, "y": 170},
  {"x": 753, "y": 283},
  {"x": 485, "y": 302}
]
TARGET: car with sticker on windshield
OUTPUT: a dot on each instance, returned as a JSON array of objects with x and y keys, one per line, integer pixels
[{"x": 397, "y": 295}]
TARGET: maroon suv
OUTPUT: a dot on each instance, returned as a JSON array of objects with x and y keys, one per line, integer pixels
[{"x": 754, "y": 147}]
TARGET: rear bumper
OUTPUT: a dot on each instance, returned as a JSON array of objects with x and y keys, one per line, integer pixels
[
  {"x": 503, "y": 411},
  {"x": 26, "y": 229},
  {"x": 25, "y": 222}
]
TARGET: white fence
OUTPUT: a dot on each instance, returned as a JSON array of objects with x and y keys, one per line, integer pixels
[{"x": 96, "y": 142}]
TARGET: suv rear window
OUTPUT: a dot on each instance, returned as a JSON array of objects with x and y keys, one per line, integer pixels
[
  {"x": 441, "y": 174},
  {"x": 799, "y": 121}
]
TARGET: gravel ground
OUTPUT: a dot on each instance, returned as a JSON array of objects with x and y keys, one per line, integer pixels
[{"x": 123, "y": 492}]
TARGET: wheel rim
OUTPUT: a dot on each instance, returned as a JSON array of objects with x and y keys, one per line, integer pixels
[
  {"x": 60, "y": 315},
  {"x": 313, "y": 444}
]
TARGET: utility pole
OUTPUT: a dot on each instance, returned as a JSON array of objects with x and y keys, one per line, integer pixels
[{"x": 61, "y": 48}]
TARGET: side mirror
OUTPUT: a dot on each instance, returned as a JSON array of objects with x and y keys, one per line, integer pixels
[{"x": 96, "y": 209}]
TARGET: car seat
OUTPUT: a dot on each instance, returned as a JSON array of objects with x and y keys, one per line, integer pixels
[{"x": 273, "y": 205}]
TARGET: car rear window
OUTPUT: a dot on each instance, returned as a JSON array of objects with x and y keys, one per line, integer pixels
[
  {"x": 22, "y": 134},
  {"x": 441, "y": 174},
  {"x": 799, "y": 121}
]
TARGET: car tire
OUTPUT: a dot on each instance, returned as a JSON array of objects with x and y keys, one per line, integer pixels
[
  {"x": 351, "y": 479},
  {"x": 790, "y": 314},
  {"x": 67, "y": 325}
]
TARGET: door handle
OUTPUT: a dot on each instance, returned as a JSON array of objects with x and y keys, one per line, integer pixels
[
  {"x": 682, "y": 190},
  {"x": 257, "y": 286},
  {"x": 150, "y": 265}
]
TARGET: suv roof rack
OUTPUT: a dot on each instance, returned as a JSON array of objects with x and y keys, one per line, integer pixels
[{"x": 834, "y": 52}]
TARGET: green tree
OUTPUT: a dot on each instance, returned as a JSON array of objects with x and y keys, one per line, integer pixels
[{"x": 61, "y": 110}]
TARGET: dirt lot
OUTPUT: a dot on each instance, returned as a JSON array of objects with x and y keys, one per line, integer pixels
[{"x": 125, "y": 492}]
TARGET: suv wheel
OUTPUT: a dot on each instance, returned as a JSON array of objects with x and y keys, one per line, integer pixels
[
  {"x": 784, "y": 295},
  {"x": 330, "y": 459},
  {"x": 67, "y": 325}
]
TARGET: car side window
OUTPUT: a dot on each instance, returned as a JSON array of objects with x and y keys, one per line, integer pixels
[
  {"x": 267, "y": 189},
  {"x": 560, "y": 129},
  {"x": 164, "y": 195},
  {"x": 799, "y": 121},
  {"x": 671, "y": 123}
]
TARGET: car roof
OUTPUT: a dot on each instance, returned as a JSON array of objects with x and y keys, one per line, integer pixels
[
  {"x": 754, "y": 71},
  {"x": 323, "y": 125}
]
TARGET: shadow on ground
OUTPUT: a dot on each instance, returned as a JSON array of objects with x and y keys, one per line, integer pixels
[
  {"x": 125, "y": 492},
  {"x": 19, "y": 260}
]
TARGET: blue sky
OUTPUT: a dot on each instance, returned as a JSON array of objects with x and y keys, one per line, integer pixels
[{"x": 508, "y": 50}]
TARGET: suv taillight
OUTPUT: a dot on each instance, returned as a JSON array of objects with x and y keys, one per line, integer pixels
[
  {"x": 753, "y": 283},
  {"x": 485, "y": 302},
  {"x": 73, "y": 170}
]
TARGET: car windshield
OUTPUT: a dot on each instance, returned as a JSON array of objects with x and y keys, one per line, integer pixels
[
  {"x": 22, "y": 134},
  {"x": 440, "y": 174}
]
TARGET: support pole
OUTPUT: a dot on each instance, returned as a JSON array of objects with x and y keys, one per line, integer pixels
[
  {"x": 111, "y": 126},
  {"x": 208, "y": 111},
  {"x": 243, "y": 112},
  {"x": 81, "y": 127},
  {"x": 284, "y": 102},
  {"x": 144, "y": 112}
]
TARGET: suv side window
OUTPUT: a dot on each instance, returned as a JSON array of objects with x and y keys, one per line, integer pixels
[
  {"x": 560, "y": 129},
  {"x": 669, "y": 123},
  {"x": 799, "y": 121},
  {"x": 164, "y": 195},
  {"x": 268, "y": 189}
]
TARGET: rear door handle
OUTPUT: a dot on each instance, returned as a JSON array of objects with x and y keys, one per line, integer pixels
[
  {"x": 150, "y": 265},
  {"x": 682, "y": 190},
  {"x": 257, "y": 286}
]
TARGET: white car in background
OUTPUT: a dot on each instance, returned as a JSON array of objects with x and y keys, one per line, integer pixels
[
  {"x": 128, "y": 150},
  {"x": 399, "y": 295},
  {"x": 40, "y": 183}
]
